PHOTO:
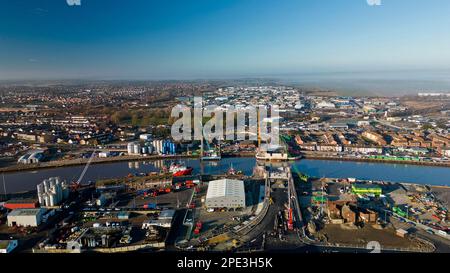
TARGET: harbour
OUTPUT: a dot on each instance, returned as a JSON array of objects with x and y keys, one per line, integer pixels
[{"x": 400, "y": 173}]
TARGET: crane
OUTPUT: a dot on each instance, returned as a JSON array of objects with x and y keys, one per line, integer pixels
[{"x": 76, "y": 185}]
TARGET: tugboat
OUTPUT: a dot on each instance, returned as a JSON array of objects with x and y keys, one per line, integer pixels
[{"x": 180, "y": 170}]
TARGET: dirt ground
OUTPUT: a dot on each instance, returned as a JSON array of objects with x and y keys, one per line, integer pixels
[
  {"x": 358, "y": 236},
  {"x": 422, "y": 104},
  {"x": 443, "y": 194}
]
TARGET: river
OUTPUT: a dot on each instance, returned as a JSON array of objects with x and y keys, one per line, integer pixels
[{"x": 24, "y": 181}]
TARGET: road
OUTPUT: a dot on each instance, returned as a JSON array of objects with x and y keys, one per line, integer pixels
[{"x": 442, "y": 245}]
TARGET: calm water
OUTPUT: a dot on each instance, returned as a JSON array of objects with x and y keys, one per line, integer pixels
[{"x": 24, "y": 181}]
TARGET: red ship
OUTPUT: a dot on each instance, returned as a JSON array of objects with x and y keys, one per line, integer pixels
[{"x": 180, "y": 170}]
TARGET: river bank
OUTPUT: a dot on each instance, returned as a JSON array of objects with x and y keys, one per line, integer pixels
[
  {"x": 84, "y": 161},
  {"x": 312, "y": 156},
  {"x": 26, "y": 179},
  {"x": 370, "y": 160}
]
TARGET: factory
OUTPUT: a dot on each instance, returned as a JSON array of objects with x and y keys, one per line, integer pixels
[
  {"x": 32, "y": 157},
  {"x": 225, "y": 193},
  {"x": 51, "y": 192},
  {"x": 25, "y": 217},
  {"x": 160, "y": 147}
]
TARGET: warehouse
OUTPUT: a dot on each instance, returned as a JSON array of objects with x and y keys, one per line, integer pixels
[
  {"x": 225, "y": 193},
  {"x": 25, "y": 217},
  {"x": 366, "y": 189},
  {"x": 21, "y": 204}
]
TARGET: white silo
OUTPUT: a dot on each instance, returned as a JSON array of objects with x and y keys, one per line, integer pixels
[
  {"x": 46, "y": 199},
  {"x": 137, "y": 148},
  {"x": 40, "y": 188},
  {"x": 158, "y": 144},
  {"x": 46, "y": 185},
  {"x": 52, "y": 199},
  {"x": 130, "y": 148}
]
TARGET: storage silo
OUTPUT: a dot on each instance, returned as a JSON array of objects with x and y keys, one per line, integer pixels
[
  {"x": 159, "y": 146},
  {"x": 46, "y": 185},
  {"x": 137, "y": 148},
  {"x": 52, "y": 199},
  {"x": 46, "y": 199},
  {"x": 130, "y": 148},
  {"x": 172, "y": 148}
]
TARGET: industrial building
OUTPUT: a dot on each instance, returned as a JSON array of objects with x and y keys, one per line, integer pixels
[
  {"x": 164, "y": 220},
  {"x": 25, "y": 217},
  {"x": 225, "y": 193},
  {"x": 366, "y": 189},
  {"x": 32, "y": 157},
  {"x": 51, "y": 192},
  {"x": 21, "y": 204}
]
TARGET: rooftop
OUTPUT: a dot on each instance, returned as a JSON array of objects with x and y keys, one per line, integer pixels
[
  {"x": 25, "y": 212},
  {"x": 225, "y": 187}
]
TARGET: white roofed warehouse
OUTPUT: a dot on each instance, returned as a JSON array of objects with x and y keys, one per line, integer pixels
[
  {"x": 225, "y": 193},
  {"x": 25, "y": 217}
]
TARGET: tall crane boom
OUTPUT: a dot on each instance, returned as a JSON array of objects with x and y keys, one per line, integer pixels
[
  {"x": 86, "y": 168},
  {"x": 76, "y": 185}
]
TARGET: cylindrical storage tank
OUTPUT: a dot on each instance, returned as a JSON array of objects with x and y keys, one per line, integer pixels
[
  {"x": 52, "y": 198},
  {"x": 137, "y": 148},
  {"x": 52, "y": 182},
  {"x": 59, "y": 193},
  {"x": 150, "y": 149},
  {"x": 155, "y": 144},
  {"x": 145, "y": 150},
  {"x": 158, "y": 146},
  {"x": 46, "y": 185},
  {"x": 163, "y": 150},
  {"x": 130, "y": 148},
  {"x": 66, "y": 192},
  {"x": 40, "y": 188},
  {"x": 46, "y": 199},
  {"x": 41, "y": 199}
]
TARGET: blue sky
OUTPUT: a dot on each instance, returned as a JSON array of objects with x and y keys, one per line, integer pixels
[{"x": 160, "y": 39}]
